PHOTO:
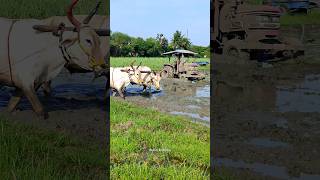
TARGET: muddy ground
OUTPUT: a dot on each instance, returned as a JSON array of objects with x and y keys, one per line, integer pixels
[
  {"x": 178, "y": 97},
  {"x": 267, "y": 120},
  {"x": 77, "y": 104}
]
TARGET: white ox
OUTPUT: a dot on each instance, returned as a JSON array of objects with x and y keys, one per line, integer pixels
[
  {"x": 122, "y": 77},
  {"x": 29, "y": 58},
  {"x": 148, "y": 77},
  {"x": 97, "y": 21}
]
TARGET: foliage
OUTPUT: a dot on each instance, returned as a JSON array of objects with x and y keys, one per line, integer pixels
[
  {"x": 179, "y": 41},
  {"x": 40, "y": 9},
  {"x": 123, "y": 45}
]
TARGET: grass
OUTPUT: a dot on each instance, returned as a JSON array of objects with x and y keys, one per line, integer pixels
[
  {"x": 27, "y": 152},
  {"x": 312, "y": 18},
  {"x": 44, "y": 8},
  {"x": 137, "y": 133},
  {"x": 155, "y": 63}
]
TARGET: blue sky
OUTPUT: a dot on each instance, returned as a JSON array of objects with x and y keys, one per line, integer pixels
[{"x": 146, "y": 18}]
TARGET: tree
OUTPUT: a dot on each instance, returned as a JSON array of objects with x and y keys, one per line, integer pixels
[
  {"x": 179, "y": 41},
  {"x": 164, "y": 44},
  {"x": 121, "y": 44}
]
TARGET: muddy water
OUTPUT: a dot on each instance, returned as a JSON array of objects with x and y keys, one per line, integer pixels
[
  {"x": 267, "y": 121},
  {"x": 69, "y": 92},
  {"x": 75, "y": 107},
  {"x": 177, "y": 97}
]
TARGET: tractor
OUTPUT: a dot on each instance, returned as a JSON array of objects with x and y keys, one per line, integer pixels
[{"x": 180, "y": 68}]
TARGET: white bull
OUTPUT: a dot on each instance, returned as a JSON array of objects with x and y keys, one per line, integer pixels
[
  {"x": 29, "y": 58},
  {"x": 148, "y": 77},
  {"x": 122, "y": 77}
]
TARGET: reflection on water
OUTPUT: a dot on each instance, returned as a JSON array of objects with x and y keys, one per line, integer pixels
[
  {"x": 303, "y": 97},
  {"x": 178, "y": 97},
  {"x": 203, "y": 91},
  {"x": 192, "y": 115},
  {"x": 68, "y": 92},
  {"x": 264, "y": 169}
]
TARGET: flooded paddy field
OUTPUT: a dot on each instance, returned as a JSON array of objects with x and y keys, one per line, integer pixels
[
  {"x": 76, "y": 106},
  {"x": 267, "y": 120},
  {"x": 177, "y": 97}
]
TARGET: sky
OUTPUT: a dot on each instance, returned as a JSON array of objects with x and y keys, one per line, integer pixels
[{"x": 147, "y": 18}]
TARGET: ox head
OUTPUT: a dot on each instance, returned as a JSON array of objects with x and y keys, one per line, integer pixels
[
  {"x": 156, "y": 78},
  {"x": 83, "y": 45},
  {"x": 134, "y": 73}
]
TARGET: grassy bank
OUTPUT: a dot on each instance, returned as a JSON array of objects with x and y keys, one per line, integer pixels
[
  {"x": 155, "y": 63},
  {"x": 44, "y": 8},
  {"x": 30, "y": 153},
  {"x": 148, "y": 144}
]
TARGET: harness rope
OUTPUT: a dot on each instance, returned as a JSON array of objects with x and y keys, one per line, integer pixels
[
  {"x": 8, "y": 44},
  {"x": 93, "y": 62}
]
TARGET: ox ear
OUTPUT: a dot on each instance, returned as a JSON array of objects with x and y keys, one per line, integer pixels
[
  {"x": 160, "y": 73},
  {"x": 68, "y": 42}
]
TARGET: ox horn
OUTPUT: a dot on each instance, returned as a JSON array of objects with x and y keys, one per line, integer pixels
[
  {"x": 154, "y": 72},
  {"x": 139, "y": 65},
  {"x": 70, "y": 16},
  {"x": 131, "y": 65},
  {"x": 92, "y": 13}
]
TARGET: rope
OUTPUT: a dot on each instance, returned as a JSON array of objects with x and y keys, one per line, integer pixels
[{"x": 8, "y": 44}]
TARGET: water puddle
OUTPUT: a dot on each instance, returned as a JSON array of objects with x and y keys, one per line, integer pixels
[
  {"x": 177, "y": 97},
  {"x": 192, "y": 115},
  {"x": 263, "y": 169},
  {"x": 68, "y": 92},
  {"x": 203, "y": 91},
  {"x": 267, "y": 143},
  {"x": 193, "y": 107},
  {"x": 304, "y": 97},
  {"x": 135, "y": 90}
]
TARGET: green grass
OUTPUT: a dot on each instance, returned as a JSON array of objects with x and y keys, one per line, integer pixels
[
  {"x": 312, "y": 18},
  {"x": 44, "y": 8},
  {"x": 135, "y": 131},
  {"x": 155, "y": 63},
  {"x": 30, "y": 153}
]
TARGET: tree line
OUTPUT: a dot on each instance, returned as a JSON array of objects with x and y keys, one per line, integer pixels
[{"x": 123, "y": 45}]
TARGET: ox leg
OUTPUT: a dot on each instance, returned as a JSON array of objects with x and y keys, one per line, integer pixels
[
  {"x": 144, "y": 88},
  {"x": 14, "y": 100},
  {"x": 36, "y": 104},
  {"x": 121, "y": 92},
  {"x": 47, "y": 88}
]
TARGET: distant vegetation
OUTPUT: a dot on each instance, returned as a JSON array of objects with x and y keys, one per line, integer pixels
[
  {"x": 44, "y": 8},
  {"x": 311, "y": 18},
  {"x": 155, "y": 63},
  {"x": 123, "y": 45}
]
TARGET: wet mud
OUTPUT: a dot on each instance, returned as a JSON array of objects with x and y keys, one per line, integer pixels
[
  {"x": 76, "y": 106},
  {"x": 267, "y": 120},
  {"x": 177, "y": 97}
]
